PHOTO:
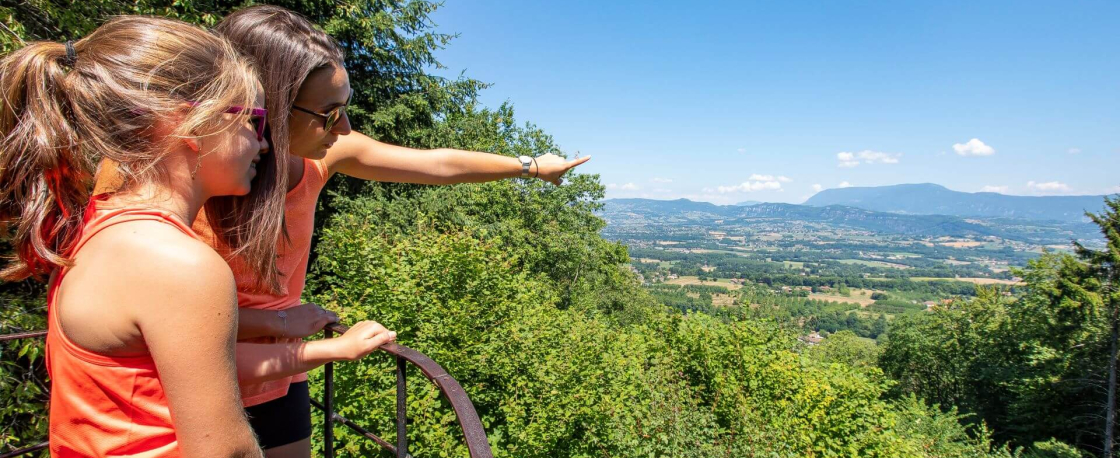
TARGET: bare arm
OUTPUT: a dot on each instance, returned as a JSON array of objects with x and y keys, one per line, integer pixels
[
  {"x": 258, "y": 323},
  {"x": 302, "y": 321},
  {"x": 261, "y": 362},
  {"x": 362, "y": 157},
  {"x": 189, "y": 323}
]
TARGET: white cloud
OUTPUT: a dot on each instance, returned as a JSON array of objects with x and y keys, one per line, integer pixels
[
  {"x": 1048, "y": 187},
  {"x": 1114, "y": 190},
  {"x": 781, "y": 178},
  {"x": 661, "y": 180},
  {"x": 750, "y": 186},
  {"x": 1073, "y": 150},
  {"x": 991, "y": 188},
  {"x": 844, "y": 184},
  {"x": 871, "y": 157},
  {"x": 741, "y": 150},
  {"x": 876, "y": 157},
  {"x": 974, "y": 147},
  {"x": 755, "y": 182},
  {"x": 817, "y": 187},
  {"x": 625, "y": 187}
]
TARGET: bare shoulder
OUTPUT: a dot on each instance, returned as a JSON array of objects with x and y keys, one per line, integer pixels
[
  {"x": 157, "y": 264},
  {"x": 137, "y": 283}
]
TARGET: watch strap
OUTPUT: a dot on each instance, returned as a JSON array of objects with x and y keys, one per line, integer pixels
[{"x": 526, "y": 161}]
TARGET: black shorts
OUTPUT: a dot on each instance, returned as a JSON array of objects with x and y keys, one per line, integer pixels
[{"x": 283, "y": 421}]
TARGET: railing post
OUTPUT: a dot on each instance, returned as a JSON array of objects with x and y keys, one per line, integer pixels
[
  {"x": 328, "y": 404},
  {"x": 402, "y": 410}
]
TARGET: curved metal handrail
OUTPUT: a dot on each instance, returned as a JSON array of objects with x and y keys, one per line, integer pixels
[
  {"x": 22, "y": 335},
  {"x": 475, "y": 434}
]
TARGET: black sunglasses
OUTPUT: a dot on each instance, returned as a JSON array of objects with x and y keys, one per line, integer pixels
[{"x": 330, "y": 118}]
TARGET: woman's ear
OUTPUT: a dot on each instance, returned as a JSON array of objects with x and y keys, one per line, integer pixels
[
  {"x": 192, "y": 143},
  {"x": 178, "y": 117}
]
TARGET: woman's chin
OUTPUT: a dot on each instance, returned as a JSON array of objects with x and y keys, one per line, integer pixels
[
  {"x": 246, "y": 186},
  {"x": 314, "y": 154}
]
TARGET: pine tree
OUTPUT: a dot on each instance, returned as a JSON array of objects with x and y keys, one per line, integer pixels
[{"x": 1104, "y": 276}]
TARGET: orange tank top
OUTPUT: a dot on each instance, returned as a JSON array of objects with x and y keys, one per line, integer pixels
[
  {"x": 299, "y": 218},
  {"x": 106, "y": 405}
]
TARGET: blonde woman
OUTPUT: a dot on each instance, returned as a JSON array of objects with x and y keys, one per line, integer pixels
[{"x": 142, "y": 315}]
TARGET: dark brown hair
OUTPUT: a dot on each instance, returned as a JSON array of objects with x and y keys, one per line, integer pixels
[
  {"x": 285, "y": 47},
  {"x": 65, "y": 110}
]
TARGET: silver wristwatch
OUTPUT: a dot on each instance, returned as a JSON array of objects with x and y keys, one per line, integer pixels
[{"x": 526, "y": 161}]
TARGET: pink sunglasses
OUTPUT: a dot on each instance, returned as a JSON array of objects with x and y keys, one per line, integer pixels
[{"x": 259, "y": 117}]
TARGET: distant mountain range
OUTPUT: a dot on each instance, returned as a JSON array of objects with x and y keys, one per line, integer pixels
[
  {"x": 683, "y": 209},
  {"x": 932, "y": 199},
  {"x": 648, "y": 211}
]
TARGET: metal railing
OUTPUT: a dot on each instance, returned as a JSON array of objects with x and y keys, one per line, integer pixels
[{"x": 473, "y": 432}]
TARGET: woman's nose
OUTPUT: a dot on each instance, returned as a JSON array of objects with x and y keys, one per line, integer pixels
[{"x": 342, "y": 127}]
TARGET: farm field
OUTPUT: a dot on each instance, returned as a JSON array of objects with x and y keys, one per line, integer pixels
[
  {"x": 978, "y": 281},
  {"x": 694, "y": 280},
  {"x": 856, "y": 298},
  {"x": 723, "y": 300},
  {"x": 889, "y": 265},
  {"x": 968, "y": 244}
]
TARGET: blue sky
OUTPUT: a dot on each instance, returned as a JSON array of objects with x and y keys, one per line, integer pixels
[{"x": 732, "y": 101}]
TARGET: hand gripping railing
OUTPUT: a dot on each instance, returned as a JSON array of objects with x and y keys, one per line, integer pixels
[{"x": 464, "y": 410}]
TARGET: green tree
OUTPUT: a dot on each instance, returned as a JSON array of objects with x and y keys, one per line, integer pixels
[
  {"x": 1035, "y": 368},
  {"x": 23, "y": 375},
  {"x": 879, "y": 327},
  {"x": 847, "y": 348},
  {"x": 1052, "y": 449},
  {"x": 1102, "y": 279}
]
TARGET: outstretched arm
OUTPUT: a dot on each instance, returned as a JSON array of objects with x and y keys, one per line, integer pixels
[{"x": 362, "y": 157}]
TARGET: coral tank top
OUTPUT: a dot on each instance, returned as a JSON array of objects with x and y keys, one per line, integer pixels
[
  {"x": 299, "y": 217},
  {"x": 106, "y": 405}
]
